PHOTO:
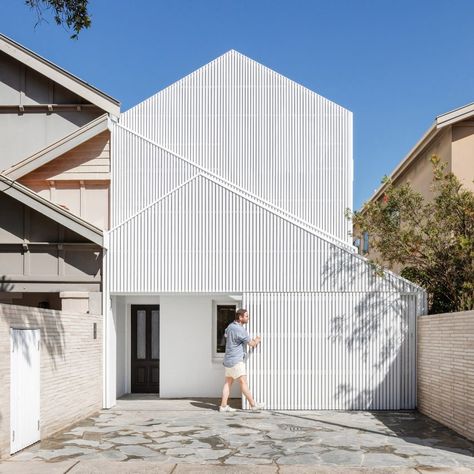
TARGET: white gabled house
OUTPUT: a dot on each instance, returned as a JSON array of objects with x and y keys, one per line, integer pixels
[{"x": 229, "y": 190}]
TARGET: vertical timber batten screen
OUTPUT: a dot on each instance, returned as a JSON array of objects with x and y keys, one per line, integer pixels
[
  {"x": 333, "y": 351},
  {"x": 261, "y": 131},
  {"x": 234, "y": 180}
]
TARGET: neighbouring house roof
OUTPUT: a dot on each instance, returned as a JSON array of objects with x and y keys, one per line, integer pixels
[
  {"x": 53, "y": 211},
  {"x": 59, "y": 75},
  {"x": 58, "y": 148},
  {"x": 456, "y": 115},
  {"x": 441, "y": 121}
]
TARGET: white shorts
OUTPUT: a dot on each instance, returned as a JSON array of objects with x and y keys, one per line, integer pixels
[{"x": 236, "y": 371}]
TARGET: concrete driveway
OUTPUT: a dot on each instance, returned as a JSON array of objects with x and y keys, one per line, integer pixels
[{"x": 192, "y": 432}]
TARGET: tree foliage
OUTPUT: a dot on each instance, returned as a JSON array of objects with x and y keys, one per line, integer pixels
[
  {"x": 432, "y": 241},
  {"x": 72, "y": 14}
]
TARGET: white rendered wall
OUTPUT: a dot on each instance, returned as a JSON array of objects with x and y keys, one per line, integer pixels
[
  {"x": 187, "y": 367},
  {"x": 122, "y": 345}
]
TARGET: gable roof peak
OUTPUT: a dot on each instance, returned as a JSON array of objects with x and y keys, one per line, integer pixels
[{"x": 59, "y": 75}]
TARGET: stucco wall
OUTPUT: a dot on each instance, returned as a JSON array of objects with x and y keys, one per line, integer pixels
[
  {"x": 188, "y": 368},
  {"x": 71, "y": 367},
  {"x": 446, "y": 370},
  {"x": 463, "y": 153},
  {"x": 187, "y": 365}
]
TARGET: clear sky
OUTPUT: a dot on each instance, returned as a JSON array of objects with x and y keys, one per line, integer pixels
[{"x": 396, "y": 64}]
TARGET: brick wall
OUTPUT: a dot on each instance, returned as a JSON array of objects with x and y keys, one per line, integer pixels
[
  {"x": 446, "y": 370},
  {"x": 71, "y": 367}
]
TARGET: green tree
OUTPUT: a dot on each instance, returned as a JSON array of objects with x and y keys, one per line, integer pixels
[
  {"x": 72, "y": 14},
  {"x": 432, "y": 241}
]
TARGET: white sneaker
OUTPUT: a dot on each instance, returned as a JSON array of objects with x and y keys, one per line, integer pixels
[
  {"x": 226, "y": 408},
  {"x": 258, "y": 406}
]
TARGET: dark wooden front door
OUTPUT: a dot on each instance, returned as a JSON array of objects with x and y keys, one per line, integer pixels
[{"x": 145, "y": 349}]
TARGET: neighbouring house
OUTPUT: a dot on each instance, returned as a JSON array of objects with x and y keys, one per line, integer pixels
[
  {"x": 451, "y": 138},
  {"x": 228, "y": 190},
  {"x": 54, "y": 207}
]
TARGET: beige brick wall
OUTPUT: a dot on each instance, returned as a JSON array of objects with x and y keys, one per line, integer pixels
[
  {"x": 446, "y": 370},
  {"x": 71, "y": 367}
]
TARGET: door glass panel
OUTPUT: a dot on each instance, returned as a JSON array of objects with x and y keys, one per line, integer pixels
[
  {"x": 141, "y": 334},
  {"x": 155, "y": 334}
]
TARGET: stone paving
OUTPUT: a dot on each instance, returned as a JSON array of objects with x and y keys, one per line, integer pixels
[{"x": 193, "y": 432}]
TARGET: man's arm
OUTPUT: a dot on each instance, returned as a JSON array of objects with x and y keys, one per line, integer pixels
[{"x": 255, "y": 341}]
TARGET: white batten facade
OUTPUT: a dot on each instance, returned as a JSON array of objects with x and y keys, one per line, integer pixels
[{"x": 229, "y": 189}]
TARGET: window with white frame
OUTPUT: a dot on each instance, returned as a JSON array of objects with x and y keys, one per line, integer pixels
[{"x": 224, "y": 314}]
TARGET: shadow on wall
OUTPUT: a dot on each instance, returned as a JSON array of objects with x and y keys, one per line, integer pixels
[
  {"x": 5, "y": 286},
  {"x": 373, "y": 326},
  {"x": 48, "y": 321}
]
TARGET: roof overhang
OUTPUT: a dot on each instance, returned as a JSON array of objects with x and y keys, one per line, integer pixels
[
  {"x": 57, "y": 149},
  {"x": 443, "y": 120},
  {"x": 59, "y": 75},
  {"x": 456, "y": 115},
  {"x": 409, "y": 158},
  {"x": 51, "y": 210}
]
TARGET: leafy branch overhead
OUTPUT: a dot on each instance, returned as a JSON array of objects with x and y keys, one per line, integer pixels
[
  {"x": 431, "y": 241},
  {"x": 72, "y": 14}
]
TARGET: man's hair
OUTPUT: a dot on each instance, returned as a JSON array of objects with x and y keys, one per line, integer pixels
[{"x": 240, "y": 312}]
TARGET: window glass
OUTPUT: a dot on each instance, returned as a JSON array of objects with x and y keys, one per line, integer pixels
[
  {"x": 365, "y": 242},
  {"x": 356, "y": 243},
  {"x": 225, "y": 315},
  {"x": 155, "y": 334},
  {"x": 141, "y": 334}
]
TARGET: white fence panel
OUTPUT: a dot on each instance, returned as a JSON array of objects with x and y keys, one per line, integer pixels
[{"x": 332, "y": 351}]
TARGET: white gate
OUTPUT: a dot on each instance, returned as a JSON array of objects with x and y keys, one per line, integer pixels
[{"x": 24, "y": 388}]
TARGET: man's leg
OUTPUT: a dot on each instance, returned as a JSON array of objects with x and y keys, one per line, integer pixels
[
  {"x": 245, "y": 390},
  {"x": 226, "y": 391}
]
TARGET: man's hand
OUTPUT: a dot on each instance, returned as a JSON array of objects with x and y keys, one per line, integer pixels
[{"x": 255, "y": 341}]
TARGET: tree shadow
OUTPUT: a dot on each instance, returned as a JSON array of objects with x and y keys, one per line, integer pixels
[
  {"x": 376, "y": 326},
  {"x": 48, "y": 321}
]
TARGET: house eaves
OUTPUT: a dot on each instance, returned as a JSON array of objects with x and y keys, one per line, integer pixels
[
  {"x": 443, "y": 120},
  {"x": 51, "y": 210},
  {"x": 454, "y": 116},
  {"x": 432, "y": 132},
  {"x": 57, "y": 149},
  {"x": 59, "y": 75}
]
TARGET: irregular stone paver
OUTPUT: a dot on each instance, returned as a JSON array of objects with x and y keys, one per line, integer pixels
[
  {"x": 188, "y": 432},
  {"x": 137, "y": 451},
  {"x": 129, "y": 440}
]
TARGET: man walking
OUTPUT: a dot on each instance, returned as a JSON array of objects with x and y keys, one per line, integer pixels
[{"x": 237, "y": 339}]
